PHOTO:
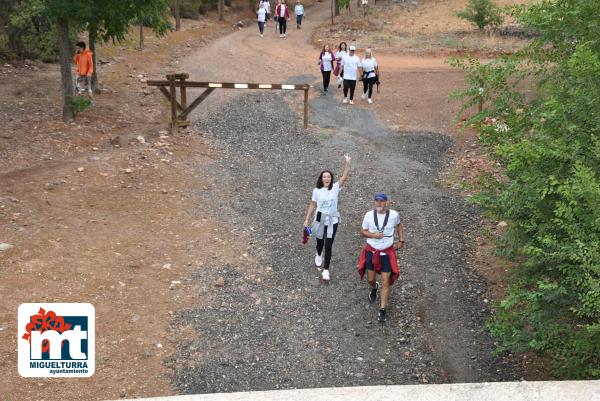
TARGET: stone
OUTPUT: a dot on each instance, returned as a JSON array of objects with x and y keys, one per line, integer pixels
[
  {"x": 116, "y": 141},
  {"x": 80, "y": 170},
  {"x": 4, "y": 246},
  {"x": 220, "y": 282}
]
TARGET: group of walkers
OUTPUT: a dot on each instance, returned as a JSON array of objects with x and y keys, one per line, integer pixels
[
  {"x": 344, "y": 64},
  {"x": 347, "y": 67},
  {"x": 381, "y": 227},
  {"x": 281, "y": 16}
]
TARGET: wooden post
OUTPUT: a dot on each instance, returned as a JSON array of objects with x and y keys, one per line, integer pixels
[
  {"x": 306, "y": 108},
  {"x": 173, "y": 103},
  {"x": 183, "y": 91}
]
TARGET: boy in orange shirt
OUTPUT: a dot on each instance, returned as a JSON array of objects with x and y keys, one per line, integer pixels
[{"x": 85, "y": 69}]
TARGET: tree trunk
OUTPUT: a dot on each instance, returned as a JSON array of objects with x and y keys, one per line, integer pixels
[
  {"x": 64, "y": 54},
  {"x": 93, "y": 34},
  {"x": 332, "y": 10},
  {"x": 177, "y": 17},
  {"x": 337, "y": 7},
  {"x": 141, "y": 36},
  {"x": 221, "y": 7}
]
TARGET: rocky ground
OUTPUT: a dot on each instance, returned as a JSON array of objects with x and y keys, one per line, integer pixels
[{"x": 276, "y": 325}]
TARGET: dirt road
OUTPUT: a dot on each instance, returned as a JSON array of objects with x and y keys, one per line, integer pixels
[{"x": 275, "y": 326}]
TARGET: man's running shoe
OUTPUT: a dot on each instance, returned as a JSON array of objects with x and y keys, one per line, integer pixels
[
  {"x": 325, "y": 275},
  {"x": 381, "y": 315},
  {"x": 373, "y": 293}
]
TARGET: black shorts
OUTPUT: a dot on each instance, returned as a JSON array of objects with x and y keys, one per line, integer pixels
[{"x": 386, "y": 266}]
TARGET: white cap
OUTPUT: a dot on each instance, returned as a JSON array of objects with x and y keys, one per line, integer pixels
[{"x": 352, "y": 48}]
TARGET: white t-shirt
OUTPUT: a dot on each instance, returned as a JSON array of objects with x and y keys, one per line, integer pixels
[
  {"x": 327, "y": 202},
  {"x": 261, "y": 14},
  {"x": 327, "y": 60},
  {"x": 267, "y": 6},
  {"x": 299, "y": 9},
  {"x": 368, "y": 65},
  {"x": 340, "y": 54},
  {"x": 282, "y": 10},
  {"x": 388, "y": 231},
  {"x": 351, "y": 64}
]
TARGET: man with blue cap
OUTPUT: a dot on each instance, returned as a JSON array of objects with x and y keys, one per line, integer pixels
[{"x": 385, "y": 234}]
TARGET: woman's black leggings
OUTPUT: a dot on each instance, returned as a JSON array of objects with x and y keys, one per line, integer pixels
[
  {"x": 328, "y": 244},
  {"x": 326, "y": 78},
  {"x": 368, "y": 85},
  {"x": 282, "y": 25}
]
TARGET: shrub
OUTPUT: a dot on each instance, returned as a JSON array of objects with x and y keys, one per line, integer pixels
[
  {"x": 540, "y": 122},
  {"x": 482, "y": 13},
  {"x": 79, "y": 103}
]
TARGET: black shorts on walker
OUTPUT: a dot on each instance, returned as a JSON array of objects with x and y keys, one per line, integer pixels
[{"x": 386, "y": 266}]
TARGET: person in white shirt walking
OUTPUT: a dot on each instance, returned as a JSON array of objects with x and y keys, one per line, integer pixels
[
  {"x": 261, "y": 15},
  {"x": 339, "y": 55},
  {"x": 267, "y": 6},
  {"x": 326, "y": 62},
  {"x": 350, "y": 64},
  {"x": 325, "y": 222},
  {"x": 385, "y": 235},
  {"x": 299, "y": 11},
  {"x": 369, "y": 73}
]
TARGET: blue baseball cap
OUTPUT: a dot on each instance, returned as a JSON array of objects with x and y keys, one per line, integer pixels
[{"x": 380, "y": 196}]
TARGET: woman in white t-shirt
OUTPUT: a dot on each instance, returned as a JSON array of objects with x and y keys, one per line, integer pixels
[
  {"x": 325, "y": 222},
  {"x": 370, "y": 73},
  {"x": 342, "y": 51},
  {"x": 326, "y": 63},
  {"x": 261, "y": 16}
]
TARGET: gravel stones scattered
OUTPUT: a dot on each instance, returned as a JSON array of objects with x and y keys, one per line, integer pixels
[{"x": 277, "y": 326}]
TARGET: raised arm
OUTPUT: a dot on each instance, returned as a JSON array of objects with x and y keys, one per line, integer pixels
[{"x": 346, "y": 171}]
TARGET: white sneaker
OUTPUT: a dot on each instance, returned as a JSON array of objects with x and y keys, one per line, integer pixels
[
  {"x": 285, "y": 35},
  {"x": 325, "y": 275},
  {"x": 351, "y": 102},
  {"x": 345, "y": 100},
  {"x": 318, "y": 260},
  {"x": 370, "y": 101},
  {"x": 261, "y": 35},
  {"x": 363, "y": 96},
  {"x": 281, "y": 36}
]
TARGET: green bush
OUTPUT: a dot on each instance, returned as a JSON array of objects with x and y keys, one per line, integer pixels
[
  {"x": 27, "y": 34},
  {"x": 482, "y": 13},
  {"x": 79, "y": 103},
  {"x": 540, "y": 122}
]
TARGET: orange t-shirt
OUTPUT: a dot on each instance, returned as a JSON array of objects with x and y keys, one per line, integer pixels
[{"x": 85, "y": 64}]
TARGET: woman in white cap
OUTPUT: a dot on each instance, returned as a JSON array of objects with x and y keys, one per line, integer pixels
[
  {"x": 369, "y": 72},
  {"x": 350, "y": 63},
  {"x": 325, "y": 222}
]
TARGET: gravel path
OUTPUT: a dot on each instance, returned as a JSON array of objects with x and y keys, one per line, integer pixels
[{"x": 277, "y": 326}]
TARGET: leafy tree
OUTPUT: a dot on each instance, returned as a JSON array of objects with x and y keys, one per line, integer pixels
[
  {"x": 482, "y": 13},
  {"x": 541, "y": 122}
]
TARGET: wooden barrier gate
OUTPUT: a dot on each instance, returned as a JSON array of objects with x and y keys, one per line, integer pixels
[{"x": 181, "y": 110}]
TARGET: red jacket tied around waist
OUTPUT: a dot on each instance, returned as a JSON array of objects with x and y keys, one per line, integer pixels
[{"x": 390, "y": 252}]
